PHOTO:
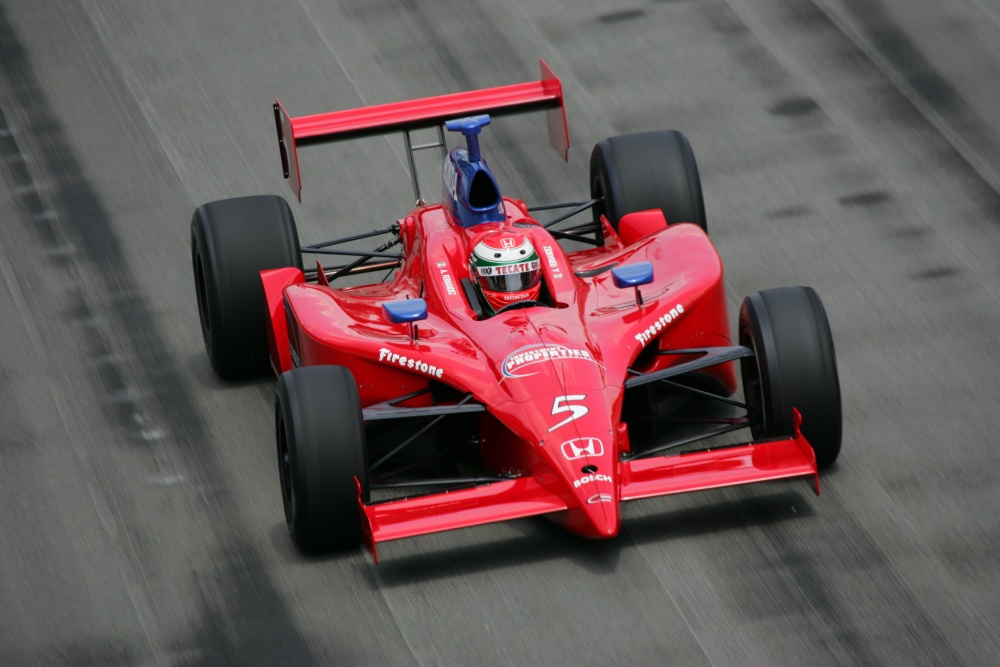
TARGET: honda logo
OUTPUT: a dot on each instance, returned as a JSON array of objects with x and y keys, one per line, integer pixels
[
  {"x": 577, "y": 448},
  {"x": 507, "y": 242}
]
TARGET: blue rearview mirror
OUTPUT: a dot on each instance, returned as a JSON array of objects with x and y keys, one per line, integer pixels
[
  {"x": 405, "y": 310},
  {"x": 633, "y": 275}
]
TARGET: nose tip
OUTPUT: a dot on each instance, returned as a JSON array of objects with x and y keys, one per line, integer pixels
[{"x": 602, "y": 510}]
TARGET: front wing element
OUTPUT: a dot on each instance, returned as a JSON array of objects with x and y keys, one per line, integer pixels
[
  {"x": 759, "y": 461},
  {"x": 729, "y": 466},
  {"x": 499, "y": 501}
]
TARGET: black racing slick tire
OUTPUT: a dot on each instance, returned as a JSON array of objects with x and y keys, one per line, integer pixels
[
  {"x": 647, "y": 170},
  {"x": 321, "y": 450},
  {"x": 232, "y": 241},
  {"x": 794, "y": 366}
]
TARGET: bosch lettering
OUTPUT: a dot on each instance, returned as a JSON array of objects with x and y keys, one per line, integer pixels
[
  {"x": 587, "y": 479},
  {"x": 659, "y": 325},
  {"x": 409, "y": 363}
]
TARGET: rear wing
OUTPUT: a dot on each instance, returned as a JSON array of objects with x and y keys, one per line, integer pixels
[{"x": 545, "y": 94}]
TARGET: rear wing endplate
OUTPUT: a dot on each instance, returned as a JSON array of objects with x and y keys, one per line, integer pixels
[{"x": 545, "y": 94}]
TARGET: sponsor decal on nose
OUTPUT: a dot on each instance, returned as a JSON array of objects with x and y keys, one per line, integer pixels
[
  {"x": 577, "y": 448},
  {"x": 587, "y": 479},
  {"x": 529, "y": 355}
]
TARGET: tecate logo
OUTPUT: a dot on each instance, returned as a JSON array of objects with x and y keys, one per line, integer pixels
[
  {"x": 587, "y": 479},
  {"x": 577, "y": 448},
  {"x": 528, "y": 355}
]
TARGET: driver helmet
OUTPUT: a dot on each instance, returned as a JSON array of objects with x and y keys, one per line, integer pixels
[{"x": 506, "y": 269}]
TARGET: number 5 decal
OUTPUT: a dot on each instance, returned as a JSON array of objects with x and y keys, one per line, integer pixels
[{"x": 562, "y": 404}]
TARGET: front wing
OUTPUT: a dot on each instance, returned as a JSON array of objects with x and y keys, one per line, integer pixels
[{"x": 522, "y": 497}]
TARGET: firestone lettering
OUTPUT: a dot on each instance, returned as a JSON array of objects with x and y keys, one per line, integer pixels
[
  {"x": 659, "y": 325},
  {"x": 587, "y": 479},
  {"x": 409, "y": 363}
]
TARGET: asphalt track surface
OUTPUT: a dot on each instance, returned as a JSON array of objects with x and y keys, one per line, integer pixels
[{"x": 850, "y": 145}]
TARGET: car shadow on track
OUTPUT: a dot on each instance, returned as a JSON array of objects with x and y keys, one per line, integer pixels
[
  {"x": 543, "y": 541},
  {"x": 752, "y": 509}
]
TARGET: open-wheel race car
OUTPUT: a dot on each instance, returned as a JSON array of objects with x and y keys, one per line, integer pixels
[{"x": 507, "y": 367}]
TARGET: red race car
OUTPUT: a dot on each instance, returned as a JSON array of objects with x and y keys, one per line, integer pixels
[{"x": 508, "y": 367}]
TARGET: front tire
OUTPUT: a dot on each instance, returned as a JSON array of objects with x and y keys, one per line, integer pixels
[
  {"x": 794, "y": 366},
  {"x": 232, "y": 241},
  {"x": 647, "y": 170},
  {"x": 321, "y": 449}
]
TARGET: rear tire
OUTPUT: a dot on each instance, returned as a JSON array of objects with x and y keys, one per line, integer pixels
[
  {"x": 232, "y": 241},
  {"x": 794, "y": 366},
  {"x": 321, "y": 449},
  {"x": 647, "y": 170}
]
